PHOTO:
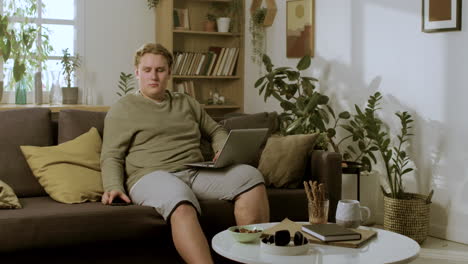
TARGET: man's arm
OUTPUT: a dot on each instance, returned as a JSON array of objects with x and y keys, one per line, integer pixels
[{"x": 116, "y": 141}]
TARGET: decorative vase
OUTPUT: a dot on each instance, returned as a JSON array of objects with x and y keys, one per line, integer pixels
[
  {"x": 223, "y": 24},
  {"x": 70, "y": 95},
  {"x": 55, "y": 93},
  {"x": 21, "y": 92},
  {"x": 38, "y": 88},
  {"x": 209, "y": 26},
  {"x": 409, "y": 216}
]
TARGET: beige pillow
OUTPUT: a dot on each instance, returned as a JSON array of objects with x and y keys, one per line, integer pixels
[
  {"x": 8, "y": 199},
  {"x": 70, "y": 172},
  {"x": 284, "y": 159}
]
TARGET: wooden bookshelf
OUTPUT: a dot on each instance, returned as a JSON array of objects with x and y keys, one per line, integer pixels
[{"x": 195, "y": 39}]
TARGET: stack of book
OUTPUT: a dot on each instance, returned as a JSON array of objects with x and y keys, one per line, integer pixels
[{"x": 218, "y": 61}]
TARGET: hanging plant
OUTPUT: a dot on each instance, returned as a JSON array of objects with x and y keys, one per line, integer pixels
[
  {"x": 153, "y": 3},
  {"x": 257, "y": 30}
]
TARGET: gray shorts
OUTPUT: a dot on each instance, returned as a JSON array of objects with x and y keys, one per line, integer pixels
[{"x": 165, "y": 191}]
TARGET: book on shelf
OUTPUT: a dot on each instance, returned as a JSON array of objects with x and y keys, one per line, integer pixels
[
  {"x": 234, "y": 63},
  {"x": 181, "y": 18},
  {"x": 331, "y": 232},
  {"x": 217, "y": 52},
  {"x": 218, "y": 62},
  {"x": 186, "y": 87}
]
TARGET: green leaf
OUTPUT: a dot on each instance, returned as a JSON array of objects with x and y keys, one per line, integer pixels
[
  {"x": 322, "y": 99},
  {"x": 259, "y": 81},
  {"x": 352, "y": 149},
  {"x": 331, "y": 132},
  {"x": 304, "y": 63},
  {"x": 344, "y": 115},
  {"x": 372, "y": 156},
  {"x": 362, "y": 145},
  {"x": 348, "y": 128},
  {"x": 294, "y": 125}
]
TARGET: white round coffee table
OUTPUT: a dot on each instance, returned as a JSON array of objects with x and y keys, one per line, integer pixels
[{"x": 387, "y": 247}]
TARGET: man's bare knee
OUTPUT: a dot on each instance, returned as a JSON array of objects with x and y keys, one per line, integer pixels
[{"x": 183, "y": 210}]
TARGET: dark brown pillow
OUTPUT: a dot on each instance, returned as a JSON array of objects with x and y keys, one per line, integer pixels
[{"x": 284, "y": 158}]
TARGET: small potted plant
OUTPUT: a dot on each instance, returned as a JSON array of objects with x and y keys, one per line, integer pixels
[
  {"x": 126, "y": 83},
  {"x": 69, "y": 66},
  {"x": 210, "y": 23},
  {"x": 226, "y": 13}
]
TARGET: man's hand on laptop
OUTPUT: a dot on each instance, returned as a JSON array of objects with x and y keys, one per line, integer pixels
[
  {"x": 110, "y": 196},
  {"x": 216, "y": 156}
]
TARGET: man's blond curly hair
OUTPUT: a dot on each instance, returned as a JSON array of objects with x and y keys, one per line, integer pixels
[{"x": 153, "y": 48}]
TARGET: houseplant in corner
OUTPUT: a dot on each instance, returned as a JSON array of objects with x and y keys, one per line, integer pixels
[
  {"x": 404, "y": 213},
  {"x": 69, "y": 66}
]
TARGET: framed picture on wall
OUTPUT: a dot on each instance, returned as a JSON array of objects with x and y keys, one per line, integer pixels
[
  {"x": 441, "y": 15},
  {"x": 300, "y": 32}
]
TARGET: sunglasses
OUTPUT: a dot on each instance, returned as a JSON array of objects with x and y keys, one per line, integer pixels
[{"x": 283, "y": 237}]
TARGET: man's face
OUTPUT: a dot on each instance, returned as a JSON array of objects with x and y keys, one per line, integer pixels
[{"x": 153, "y": 73}]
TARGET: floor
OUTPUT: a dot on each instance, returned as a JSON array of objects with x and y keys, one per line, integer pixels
[{"x": 436, "y": 251}]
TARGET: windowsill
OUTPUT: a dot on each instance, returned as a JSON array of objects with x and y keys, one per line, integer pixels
[{"x": 57, "y": 108}]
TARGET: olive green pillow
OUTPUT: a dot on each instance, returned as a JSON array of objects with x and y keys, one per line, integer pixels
[
  {"x": 8, "y": 199},
  {"x": 69, "y": 172},
  {"x": 284, "y": 159}
]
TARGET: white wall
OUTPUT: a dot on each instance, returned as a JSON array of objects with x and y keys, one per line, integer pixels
[
  {"x": 113, "y": 30},
  {"x": 363, "y": 46}
]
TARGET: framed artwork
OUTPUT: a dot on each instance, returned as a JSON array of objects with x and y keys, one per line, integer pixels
[
  {"x": 441, "y": 15},
  {"x": 300, "y": 32}
]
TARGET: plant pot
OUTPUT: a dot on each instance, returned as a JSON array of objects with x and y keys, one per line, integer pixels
[
  {"x": 223, "y": 24},
  {"x": 209, "y": 26},
  {"x": 409, "y": 217},
  {"x": 69, "y": 95},
  {"x": 21, "y": 92}
]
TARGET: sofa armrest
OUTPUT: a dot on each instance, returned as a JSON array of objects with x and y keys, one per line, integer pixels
[{"x": 325, "y": 167}]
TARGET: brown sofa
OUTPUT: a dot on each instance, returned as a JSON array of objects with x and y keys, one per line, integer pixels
[{"x": 48, "y": 231}]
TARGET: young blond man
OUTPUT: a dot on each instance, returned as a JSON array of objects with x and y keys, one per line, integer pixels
[{"x": 150, "y": 135}]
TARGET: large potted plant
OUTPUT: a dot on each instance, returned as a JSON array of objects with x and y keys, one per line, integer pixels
[
  {"x": 17, "y": 44},
  {"x": 405, "y": 213},
  {"x": 69, "y": 66}
]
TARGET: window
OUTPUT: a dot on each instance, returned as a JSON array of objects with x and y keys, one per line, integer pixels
[{"x": 56, "y": 18}]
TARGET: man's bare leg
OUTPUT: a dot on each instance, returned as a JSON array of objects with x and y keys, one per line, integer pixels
[
  {"x": 188, "y": 236},
  {"x": 252, "y": 206}
]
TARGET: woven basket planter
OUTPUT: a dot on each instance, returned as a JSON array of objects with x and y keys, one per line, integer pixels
[{"x": 409, "y": 217}]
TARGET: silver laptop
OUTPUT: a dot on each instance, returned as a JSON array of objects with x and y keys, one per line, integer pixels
[{"x": 241, "y": 146}]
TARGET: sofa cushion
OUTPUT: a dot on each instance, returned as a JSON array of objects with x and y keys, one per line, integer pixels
[
  {"x": 8, "y": 199},
  {"x": 71, "y": 171},
  {"x": 22, "y": 127},
  {"x": 44, "y": 222},
  {"x": 284, "y": 159},
  {"x": 72, "y": 123}
]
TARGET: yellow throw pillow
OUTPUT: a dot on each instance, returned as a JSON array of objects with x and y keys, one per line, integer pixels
[
  {"x": 70, "y": 172},
  {"x": 284, "y": 158},
  {"x": 8, "y": 199}
]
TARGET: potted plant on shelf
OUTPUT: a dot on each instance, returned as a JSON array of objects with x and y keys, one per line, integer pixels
[
  {"x": 69, "y": 66},
  {"x": 126, "y": 83},
  {"x": 227, "y": 12},
  {"x": 210, "y": 23}
]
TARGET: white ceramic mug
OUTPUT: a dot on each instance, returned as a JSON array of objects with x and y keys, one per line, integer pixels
[{"x": 349, "y": 213}]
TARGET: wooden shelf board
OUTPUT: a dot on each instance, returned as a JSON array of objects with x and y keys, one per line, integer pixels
[
  {"x": 196, "y": 32},
  {"x": 203, "y": 77},
  {"x": 220, "y": 106}
]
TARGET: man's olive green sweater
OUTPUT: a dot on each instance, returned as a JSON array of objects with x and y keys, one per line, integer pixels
[{"x": 142, "y": 136}]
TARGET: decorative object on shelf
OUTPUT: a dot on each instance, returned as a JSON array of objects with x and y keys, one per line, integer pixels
[
  {"x": 126, "y": 83},
  {"x": 69, "y": 66},
  {"x": 55, "y": 93},
  {"x": 271, "y": 10},
  {"x": 152, "y": 3},
  {"x": 210, "y": 23},
  {"x": 441, "y": 16},
  {"x": 21, "y": 92},
  {"x": 300, "y": 16},
  {"x": 228, "y": 12},
  {"x": 38, "y": 88},
  {"x": 181, "y": 18},
  {"x": 257, "y": 31}
]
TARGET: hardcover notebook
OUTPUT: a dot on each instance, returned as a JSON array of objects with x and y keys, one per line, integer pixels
[{"x": 331, "y": 232}]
